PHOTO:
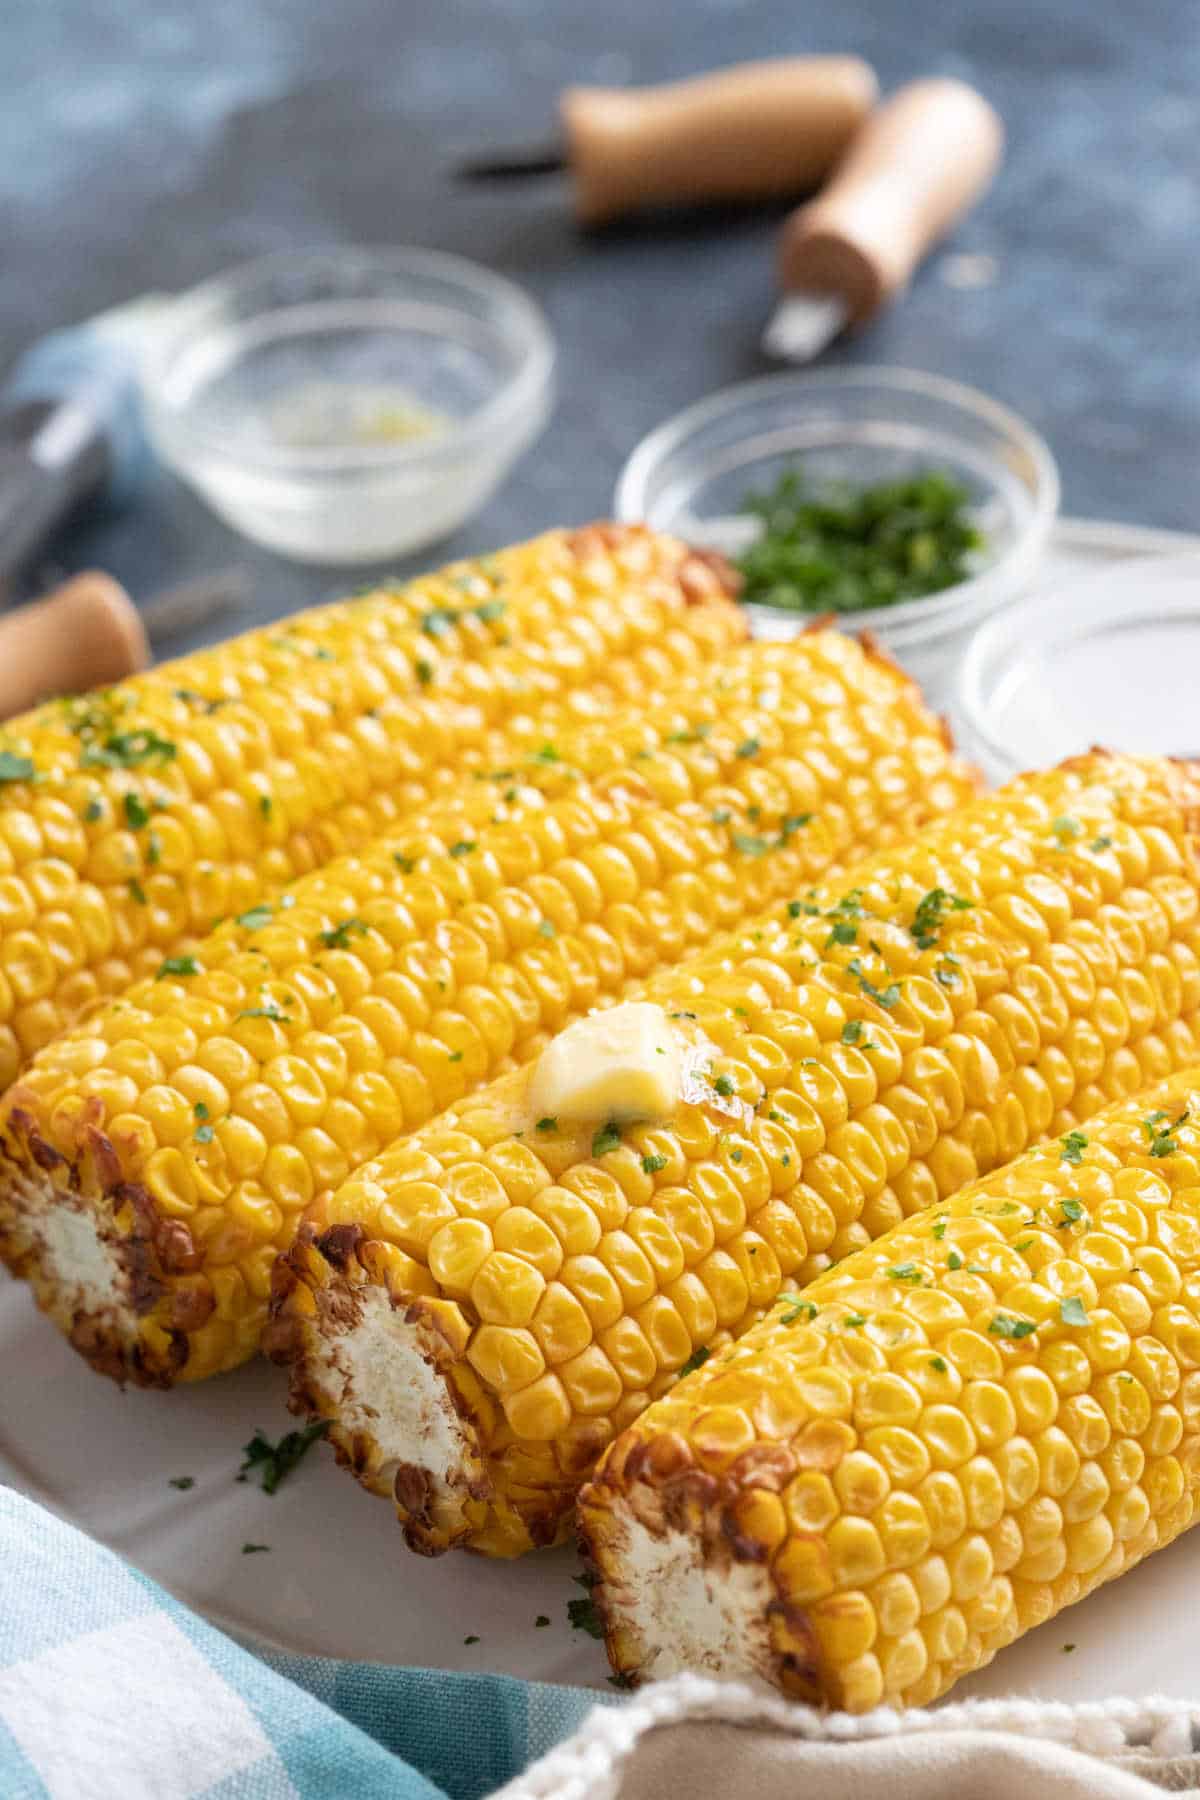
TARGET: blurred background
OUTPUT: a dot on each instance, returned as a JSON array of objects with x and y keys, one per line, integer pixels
[{"x": 146, "y": 146}]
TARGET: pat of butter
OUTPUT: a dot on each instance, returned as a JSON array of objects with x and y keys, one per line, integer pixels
[{"x": 623, "y": 1064}]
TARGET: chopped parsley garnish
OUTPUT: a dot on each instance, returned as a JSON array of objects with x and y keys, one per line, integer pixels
[
  {"x": 1100, "y": 843},
  {"x": 652, "y": 1165},
  {"x": 1162, "y": 1143},
  {"x": 204, "y": 1134},
  {"x": 14, "y": 767},
  {"x": 938, "y": 1363},
  {"x": 1066, "y": 830},
  {"x": 546, "y": 1125},
  {"x": 693, "y": 735},
  {"x": 547, "y": 928},
  {"x": 696, "y": 1360},
  {"x": 405, "y": 864},
  {"x": 905, "y": 1272},
  {"x": 853, "y": 1032},
  {"x": 438, "y": 621},
  {"x": 546, "y": 754},
  {"x": 257, "y": 917},
  {"x": 723, "y": 1086},
  {"x": 750, "y": 747},
  {"x": 153, "y": 850},
  {"x": 1072, "y": 1211},
  {"x": 137, "y": 813},
  {"x": 931, "y": 913},
  {"x": 1071, "y": 1311},
  {"x": 128, "y": 750},
  {"x": 1004, "y": 1325},
  {"x": 802, "y": 908},
  {"x": 607, "y": 1138},
  {"x": 464, "y": 847},
  {"x": 885, "y": 997},
  {"x": 542, "y": 1620},
  {"x": 92, "y": 811},
  {"x": 338, "y": 936},
  {"x": 939, "y": 1228},
  {"x": 200, "y": 1110},
  {"x": 1073, "y": 1147},
  {"x": 796, "y": 1309},
  {"x": 275, "y": 1462},
  {"x": 255, "y": 1549},
  {"x": 184, "y": 1483},
  {"x": 269, "y": 1011},
  {"x": 582, "y": 1612},
  {"x": 136, "y": 891},
  {"x": 853, "y": 1321},
  {"x": 456, "y": 1056},
  {"x": 954, "y": 1260},
  {"x": 177, "y": 965},
  {"x": 620, "y": 1680},
  {"x": 836, "y": 548},
  {"x": 266, "y": 805},
  {"x": 946, "y": 974}
]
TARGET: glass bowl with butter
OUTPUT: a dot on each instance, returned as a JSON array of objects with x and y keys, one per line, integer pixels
[{"x": 344, "y": 405}]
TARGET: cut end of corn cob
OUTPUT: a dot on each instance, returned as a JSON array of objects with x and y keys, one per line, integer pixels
[
  {"x": 936, "y": 1446},
  {"x": 185, "y": 1128},
  {"x": 1000, "y": 977},
  {"x": 386, "y": 1359}
]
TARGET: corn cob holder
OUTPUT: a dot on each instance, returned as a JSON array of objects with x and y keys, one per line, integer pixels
[
  {"x": 937, "y": 1445},
  {"x": 132, "y": 818},
  {"x": 498, "y": 1296},
  {"x": 154, "y": 1159}
]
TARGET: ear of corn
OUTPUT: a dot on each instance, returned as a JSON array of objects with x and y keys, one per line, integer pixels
[
  {"x": 937, "y": 1445},
  {"x": 870, "y": 1048},
  {"x": 132, "y": 818},
  {"x": 181, "y": 1130}
]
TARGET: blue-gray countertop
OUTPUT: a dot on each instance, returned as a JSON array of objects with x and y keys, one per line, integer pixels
[{"x": 150, "y": 143}]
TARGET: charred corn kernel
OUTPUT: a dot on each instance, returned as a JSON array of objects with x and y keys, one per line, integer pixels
[
  {"x": 1077, "y": 1477},
  {"x": 296, "y": 1041},
  {"x": 801, "y": 1049},
  {"x": 131, "y": 818}
]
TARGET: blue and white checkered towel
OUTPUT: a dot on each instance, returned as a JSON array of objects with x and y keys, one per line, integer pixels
[{"x": 111, "y": 1690}]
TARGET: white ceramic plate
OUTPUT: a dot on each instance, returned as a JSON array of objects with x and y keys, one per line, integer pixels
[{"x": 337, "y": 1579}]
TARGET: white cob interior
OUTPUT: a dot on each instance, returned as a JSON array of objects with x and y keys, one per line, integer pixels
[{"x": 682, "y": 1612}]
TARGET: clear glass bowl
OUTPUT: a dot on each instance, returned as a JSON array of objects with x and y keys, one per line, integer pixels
[
  {"x": 345, "y": 405},
  {"x": 1110, "y": 659},
  {"x": 862, "y": 426}
]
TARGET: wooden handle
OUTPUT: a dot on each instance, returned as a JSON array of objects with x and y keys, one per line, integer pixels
[
  {"x": 912, "y": 171},
  {"x": 84, "y": 635},
  {"x": 761, "y": 129}
]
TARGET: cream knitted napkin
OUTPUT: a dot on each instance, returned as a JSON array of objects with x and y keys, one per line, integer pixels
[{"x": 698, "y": 1738}]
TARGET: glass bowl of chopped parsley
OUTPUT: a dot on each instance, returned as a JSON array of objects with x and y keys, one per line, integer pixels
[{"x": 904, "y": 504}]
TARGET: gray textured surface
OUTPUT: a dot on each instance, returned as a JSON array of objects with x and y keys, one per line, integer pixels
[{"x": 151, "y": 144}]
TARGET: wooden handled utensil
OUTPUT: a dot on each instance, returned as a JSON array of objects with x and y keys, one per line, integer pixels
[
  {"x": 755, "y": 131},
  {"x": 84, "y": 635},
  {"x": 912, "y": 171}
]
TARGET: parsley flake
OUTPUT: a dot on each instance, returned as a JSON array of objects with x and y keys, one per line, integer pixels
[
  {"x": 275, "y": 1462},
  {"x": 1071, "y": 1311},
  {"x": 1003, "y": 1325},
  {"x": 696, "y": 1360},
  {"x": 607, "y": 1138},
  {"x": 653, "y": 1165},
  {"x": 177, "y": 965},
  {"x": 1073, "y": 1147},
  {"x": 14, "y": 767}
]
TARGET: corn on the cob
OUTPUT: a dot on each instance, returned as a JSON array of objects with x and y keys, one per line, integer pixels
[
  {"x": 494, "y": 1299},
  {"x": 131, "y": 819},
  {"x": 937, "y": 1445},
  {"x": 178, "y": 1133}
]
